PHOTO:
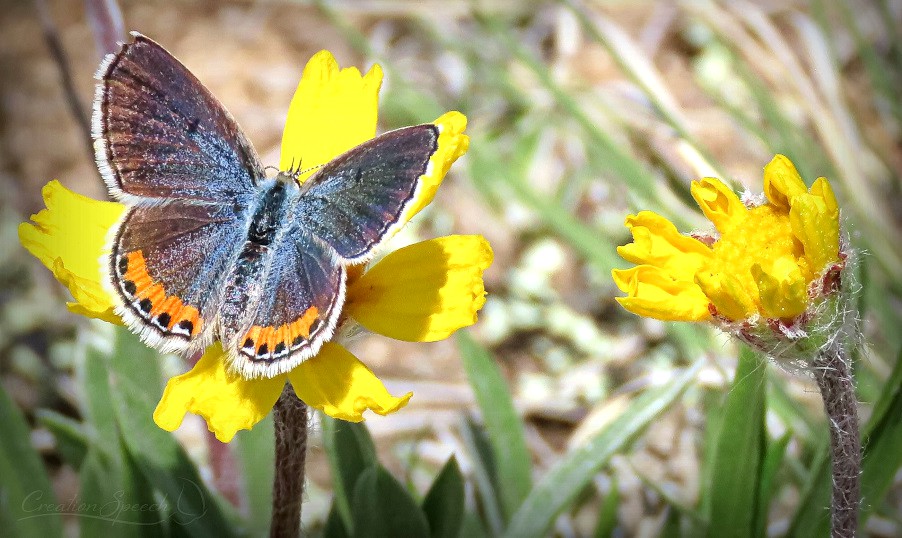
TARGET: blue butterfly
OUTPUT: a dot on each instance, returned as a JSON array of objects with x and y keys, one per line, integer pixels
[{"x": 210, "y": 248}]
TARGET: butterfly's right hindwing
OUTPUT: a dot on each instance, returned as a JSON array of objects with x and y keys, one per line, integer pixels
[{"x": 166, "y": 266}]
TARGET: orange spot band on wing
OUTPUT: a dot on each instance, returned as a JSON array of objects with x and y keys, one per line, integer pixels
[
  {"x": 147, "y": 288},
  {"x": 284, "y": 334}
]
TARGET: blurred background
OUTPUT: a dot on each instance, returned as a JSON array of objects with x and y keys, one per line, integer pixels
[{"x": 579, "y": 113}]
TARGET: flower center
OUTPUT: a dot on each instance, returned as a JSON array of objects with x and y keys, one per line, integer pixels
[{"x": 762, "y": 237}]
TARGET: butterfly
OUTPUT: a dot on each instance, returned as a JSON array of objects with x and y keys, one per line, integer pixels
[{"x": 210, "y": 248}]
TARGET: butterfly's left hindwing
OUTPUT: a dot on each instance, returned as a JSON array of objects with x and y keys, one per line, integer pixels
[{"x": 297, "y": 311}]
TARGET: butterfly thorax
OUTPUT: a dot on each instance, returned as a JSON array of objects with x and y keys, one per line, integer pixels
[{"x": 269, "y": 216}]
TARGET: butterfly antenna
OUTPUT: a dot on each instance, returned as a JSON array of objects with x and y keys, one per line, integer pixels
[{"x": 300, "y": 172}]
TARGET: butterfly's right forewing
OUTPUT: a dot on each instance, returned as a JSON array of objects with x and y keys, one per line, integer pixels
[{"x": 159, "y": 134}]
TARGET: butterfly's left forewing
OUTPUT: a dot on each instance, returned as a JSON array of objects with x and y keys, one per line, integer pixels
[{"x": 359, "y": 199}]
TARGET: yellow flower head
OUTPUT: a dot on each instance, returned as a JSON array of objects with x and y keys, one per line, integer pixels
[
  {"x": 423, "y": 292},
  {"x": 772, "y": 260}
]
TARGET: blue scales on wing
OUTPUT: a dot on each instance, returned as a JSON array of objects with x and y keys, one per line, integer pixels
[
  {"x": 160, "y": 134},
  {"x": 167, "y": 264},
  {"x": 170, "y": 151},
  {"x": 357, "y": 200},
  {"x": 304, "y": 293}
]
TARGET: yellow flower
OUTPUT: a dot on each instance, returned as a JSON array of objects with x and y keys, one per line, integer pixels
[
  {"x": 765, "y": 260},
  {"x": 423, "y": 292}
]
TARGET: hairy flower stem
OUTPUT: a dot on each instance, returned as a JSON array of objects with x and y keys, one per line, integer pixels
[
  {"x": 290, "y": 416},
  {"x": 834, "y": 378}
]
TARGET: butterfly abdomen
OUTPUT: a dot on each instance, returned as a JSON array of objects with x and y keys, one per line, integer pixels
[{"x": 243, "y": 285}]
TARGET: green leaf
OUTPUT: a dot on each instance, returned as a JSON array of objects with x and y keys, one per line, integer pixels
[
  {"x": 382, "y": 508},
  {"x": 71, "y": 439},
  {"x": 255, "y": 455},
  {"x": 136, "y": 388},
  {"x": 712, "y": 403},
  {"x": 350, "y": 451},
  {"x": 737, "y": 463},
  {"x": 115, "y": 499},
  {"x": 99, "y": 413},
  {"x": 503, "y": 424},
  {"x": 563, "y": 483},
  {"x": 773, "y": 460},
  {"x": 484, "y": 473},
  {"x": 444, "y": 503},
  {"x": 607, "y": 515},
  {"x": 334, "y": 527},
  {"x": 883, "y": 436},
  {"x": 813, "y": 512},
  {"x": 27, "y": 503}
]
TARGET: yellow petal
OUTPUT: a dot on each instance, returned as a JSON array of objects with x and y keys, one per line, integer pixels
[
  {"x": 425, "y": 291},
  {"x": 452, "y": 143},
  {"x": 338, "y": 384},
  {"x": 821, "y": 188},
  {"x": 69, "y": 238},
  {"x": 782, "y": 289},
  {"x": 817, "y": 228},
  {"x": 653, "y": 293},
  {"x": 227, "y": 401},
  {"x": 719, "y": 203},
  {"x": 657, "y": 242},
  {"x": 782, "y": 182},
  {"x": 726, "y": 294},
  {"x": 332, "y": 111}
]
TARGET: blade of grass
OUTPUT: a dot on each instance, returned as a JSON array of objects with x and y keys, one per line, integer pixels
[
  {"x": 135, "y": 387},
  {"x": 255, "y": 455},
  {"x": 71, "y": 439},
  {"x": 883, "y": 437},
  {"x": 502, "y": 423},
  {"x": 773, "y": 460},
  {"x": 484, "y": 474},
  {"x": 740, "y": 443},
  {"x": 115, "y": 499},
  {"x": 24, "y": 486},
  {"x": 607, "y": 515},
  {"x": 350, "y": 451},
  {"x": 564, "y": 482}
]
